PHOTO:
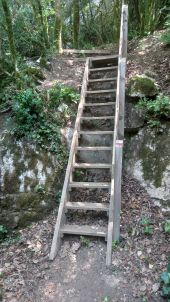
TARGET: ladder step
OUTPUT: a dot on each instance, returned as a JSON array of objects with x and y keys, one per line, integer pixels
[
  {"x": 103, "y": 69},
  {"x": 102, "y": 80},
  {"x": 91, "y": 206},
  {"x": 97, "y": 132},
  {"x": 100, "y": 91},
  {"x": 97, "y": 118},
  {"x": 92, "y": 166},
  {"x": 96, "y": 148},
  {"x": 90, "y": 185},
  {"x": 99, "y": 104},
  {"x": 87, "y": 230}
]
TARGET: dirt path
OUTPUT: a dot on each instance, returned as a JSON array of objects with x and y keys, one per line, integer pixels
[{"x": 79, "y": 274}]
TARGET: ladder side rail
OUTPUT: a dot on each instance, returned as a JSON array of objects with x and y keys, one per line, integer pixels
[
  {"x": 60, "y": 218},
  {"x": 120, "y": 126},
  {"x": 115, "y": 193}
]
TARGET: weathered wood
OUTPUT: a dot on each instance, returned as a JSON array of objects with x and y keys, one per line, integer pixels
[
  {"x": 87, "y": 206},
  {"x": 84, "y": 230},
  {"x": 103, "y": 69},
  {"x": 99, "y": 104},
  {"x": 87, "y": 51},
  {"x": 56, "y": 238},
  {"x": 97, "y": 132},
  {"x": 92, "y": 166},
  {"x": 100, "y": 91},
  {"x": 90, "y": 185},
  {"x": 103, "y": 80},
  {"x": 115, "y": 196},
  {"x": 85, "y": 118},
  {"x": 95, "y": 148}
]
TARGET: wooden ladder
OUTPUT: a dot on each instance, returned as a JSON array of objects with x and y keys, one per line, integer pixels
[{"x": 100, "y": 70}]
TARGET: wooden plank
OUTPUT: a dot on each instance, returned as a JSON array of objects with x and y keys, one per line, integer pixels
[
  {"x": 102, "y": 80},
  {"x": 92, "y": 166},
  {"x": 87, "y": 51},
  {"x": 100, "y": 91},
  {"x": 97, "y": 132},
  {"x": 95, "y": 148},
  {"x": 85, "y": 118},
  {"x": 87, "y": 206},
  {"x": 104, "y": 58},
  {"x": 60, "y": 219},
  {"x": 102, "y": 69},
  {"x": 84, "y": 230},
  {"x": 99, "y": 104},
  {"x": 90, "y": 185},
  {"x": 115, "y": 199}
]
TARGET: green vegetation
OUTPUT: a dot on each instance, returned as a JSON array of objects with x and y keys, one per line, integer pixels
[
  {"x": 105, "y": 299},
  {"x": 165, "y": 283},
  {"x": 115, "y": 244},
  {"x": 147, "y": 229},
  {"x": 167, "y": 227},
  {"x": 165, "y": 38},
  {"x": 39, "y": 116},
  {"x": 84, "y": 241},
  {"x": 3, "y": 232},
  {"x": 156, "y": 109}
]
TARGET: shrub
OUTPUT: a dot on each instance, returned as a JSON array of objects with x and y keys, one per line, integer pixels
[
  {"x": 60, "y": 93},
  {"x": 158, "y": 108},
  {"x": 165, "y": 282},
  {"x": 27, "y": 110},
  {"x": 165, "y": 38},
  {"x": 3, "y": 232}
]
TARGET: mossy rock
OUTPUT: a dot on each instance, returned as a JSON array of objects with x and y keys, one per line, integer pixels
[
  {"x": 35, "y": 72},
  {"x": 142, "y": 86}
]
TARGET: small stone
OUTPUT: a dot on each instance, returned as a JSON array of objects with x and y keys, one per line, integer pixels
[
  {"x": 155, "y": 287},
  {"x": 150, "y": 266},
  {"x": 139, "y": 253},
  {"x": 143, "y": 288}
]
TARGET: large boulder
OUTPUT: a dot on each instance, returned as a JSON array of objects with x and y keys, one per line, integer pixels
[
  {"x": 146, "y": 158},
  {"x": 142, "y": 86},
  {"x": 29, "y": 180}
]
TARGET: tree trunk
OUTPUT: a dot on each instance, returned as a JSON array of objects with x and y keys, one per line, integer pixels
[
  {"x": 10, "y": 33},
  {"x": 76, "y": 23},
  {"x": 58, "y": 27},
  {"x": 44, "y": 28}
]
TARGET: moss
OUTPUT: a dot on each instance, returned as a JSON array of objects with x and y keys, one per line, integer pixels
[
  {"x": 140, "y": 86},
  {"x": 28, "y": 200}
]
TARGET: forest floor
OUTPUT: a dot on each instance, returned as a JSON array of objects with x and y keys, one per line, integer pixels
[{"x": 79, "y": 274}]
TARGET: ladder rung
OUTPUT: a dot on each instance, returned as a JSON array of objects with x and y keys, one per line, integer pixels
[
  {"x": 97, "y": 118},
  {"x": 84, "y": 230},
  {"x": 103, "y": 68},
  {"x": 100, "y": 91},
  {"x": 90, "y": 185},
  {"x": 102, "y": 80},
  {"x": 99, "y": 104},
  {"x": 91, "y": 206},
  {"x": 97, "y": 132},
  {"x": 95, "y": 148},
  {"x": 92, "y": 166}
]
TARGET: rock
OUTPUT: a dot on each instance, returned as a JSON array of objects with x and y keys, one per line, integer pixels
[
  {"x": 146, "y": 158},
  {"x": 24, "y": 166},
  {"x": 142, "y": 86},
  {"x": 143, "y": 288},
  {"x": 134, "y": 117},
  {"x": 139, "y": 253},
  {"x": 155, "y": 287},
  {"x": 35, "y": 72}
]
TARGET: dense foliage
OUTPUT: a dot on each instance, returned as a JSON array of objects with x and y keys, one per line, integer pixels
[
  {"x": 37, "y": 28},
  {"x": 43, "y": 113}
]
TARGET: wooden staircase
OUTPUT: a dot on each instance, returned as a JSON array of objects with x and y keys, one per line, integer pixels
[{"x": 95, "y": 99}]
